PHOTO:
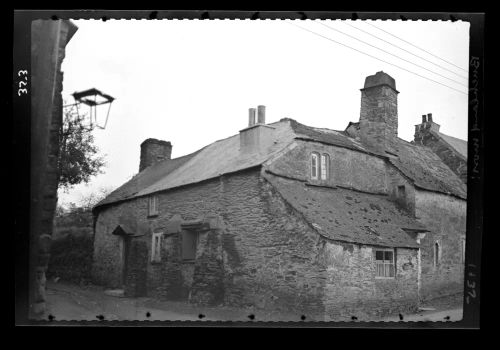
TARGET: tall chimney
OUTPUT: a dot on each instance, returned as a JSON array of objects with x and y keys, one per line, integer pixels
[
  {"x": 424, "y": 118},
  {"x": 261, "y": 113},
  {"x": 378, "y": 119},
  {"x": 251, "y": 116},
  {"x": 154, "y": 151},
  {"x": 429, "y": 117}
]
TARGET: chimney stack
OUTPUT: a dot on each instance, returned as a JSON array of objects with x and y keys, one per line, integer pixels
[
  {"x": 429, "y": 117},
  {"x": 261, "y": 113},
  {"x": 257, "y": 136},
  {"x": 424, "y": 118},
  {"x": 251, "y": 116},
  {"x": 154, "y": 151},
  {"x": 378, "y": 120}
]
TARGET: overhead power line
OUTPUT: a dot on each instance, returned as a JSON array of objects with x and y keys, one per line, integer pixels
[
  {"x": 387, "y": 52},
  {"x": 399, "y": 47},
  {"x": 430, "y": 53},
  {"x": 379, "y": 59}
]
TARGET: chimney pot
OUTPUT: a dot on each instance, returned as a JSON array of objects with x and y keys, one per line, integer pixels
[
  {"x": 251, "y": 116},
  {"x": 424, "y": 118},
  {"x": 261, "y": 114},
  {"x": 429, "y": 117}
]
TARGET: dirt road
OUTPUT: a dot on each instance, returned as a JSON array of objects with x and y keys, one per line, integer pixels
[{"x": 72, "y": 302}]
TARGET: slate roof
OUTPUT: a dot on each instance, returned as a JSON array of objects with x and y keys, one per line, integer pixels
[
  {"x": 144, "y": 179},
  {"x": 220, "y": 157},
  {"x": 349, "y": 216},
  {"x": 418, "y": 163}
]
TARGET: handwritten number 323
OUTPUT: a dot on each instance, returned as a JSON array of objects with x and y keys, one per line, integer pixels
[{"x": 22, "y": 83}]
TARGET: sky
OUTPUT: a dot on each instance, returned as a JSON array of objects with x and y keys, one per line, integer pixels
[{"x": 191, "y": 82}]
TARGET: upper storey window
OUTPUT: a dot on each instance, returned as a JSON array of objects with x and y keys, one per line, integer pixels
[
  {"x": 320, "y": 166},
  {"x": 314, "y": 166},
  {"x": 325, "y": 166},
  {"x": 153, "y": 205}
]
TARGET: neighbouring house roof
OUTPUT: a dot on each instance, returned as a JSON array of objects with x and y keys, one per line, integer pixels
[
  {"x": 349, "y": 216},
  {"x": 427, "y": 171},
  {"x": 458, "y": 144},
  {"x": 418, "y": 163}
]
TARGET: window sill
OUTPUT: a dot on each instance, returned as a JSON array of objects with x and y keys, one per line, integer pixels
[
  {"x": 188, "y": 261},
  {"x": 151, "y": 216},
  {"x": 384, "y": 278}
]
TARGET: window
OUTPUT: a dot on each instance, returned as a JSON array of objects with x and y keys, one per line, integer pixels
[
  {"x": 153, "y": 206},
  {"x": 385, "y": 263},
  {"x": 156, "y": 247},
  {"x": 314, "y": 166},
  {"x": 189, "y": 245},
  {"x": 463, "y": 250},
  {"x": 401, "y": 192},
  {"x": 325, "y": 166},
  {"x": 437, "y": 254}
]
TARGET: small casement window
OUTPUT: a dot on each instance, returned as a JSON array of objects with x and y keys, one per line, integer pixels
[
  {"x": 156, "y": 246},
  {"x": 325, "y": 166},
  {"x": 153, "y": 206},
  {"x": 385, "y": 263},
  {"x": 189, "y": 245},
  {"x": 437, "y": 254},
  {"x": 314, "y": 166}
]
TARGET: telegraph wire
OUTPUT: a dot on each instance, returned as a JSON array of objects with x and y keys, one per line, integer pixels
[
  {"x": 403, "y": 59},
  {"x": 399, "y": 47},
  {"x": 379, "y": 59},
  {"x": 430, "y": 53}
]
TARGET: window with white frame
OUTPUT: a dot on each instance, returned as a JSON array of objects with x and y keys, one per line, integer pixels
[
  {"x": 153, "y": 205},
  {"x": 325, "y": 166},
  {"x": 314, "y": 166},
  {"x": 384, "y": 259},
  {"x": 156, "y": 246},
  {"x": 437, "y": 254}
]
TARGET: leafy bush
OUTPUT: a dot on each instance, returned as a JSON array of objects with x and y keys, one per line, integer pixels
[{"x": 71, "y": 257}]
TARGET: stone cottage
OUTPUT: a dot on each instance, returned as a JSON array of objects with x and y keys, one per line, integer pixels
[{"x": 284, "y": 216}]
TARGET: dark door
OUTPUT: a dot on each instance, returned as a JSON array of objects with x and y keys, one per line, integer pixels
[{"x": 125, "y": 258}]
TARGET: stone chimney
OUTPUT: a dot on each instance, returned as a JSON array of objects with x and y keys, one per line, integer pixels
[
  {"x": 257, "y": 136},
  {"x": 421, "y": 130},
  {"x": 378, "y": 120},
  {"x": 154, "y": 151}
]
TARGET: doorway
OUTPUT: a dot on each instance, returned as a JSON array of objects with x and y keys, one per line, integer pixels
[{"x": 125, "y": 251}]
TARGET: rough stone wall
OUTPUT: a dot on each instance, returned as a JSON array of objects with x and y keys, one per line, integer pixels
[
  {"x": 394, "y": 180},
  {"x": 263, "y": 255},
  {"x": 352, "y": 288},
  {"x": 378, "y": 119},
  {"x": 454, "y": 160},
  {"x": 350, "y": 169},
  {"x": 446, "y": 217}
]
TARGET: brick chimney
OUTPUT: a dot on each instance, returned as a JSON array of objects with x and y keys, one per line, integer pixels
[
  {"x": 422, "y": 130},
  {"x": 154, "y": 151},
  {"x": 257, "y": 136},
  {"x": 378, "y": 120}
]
